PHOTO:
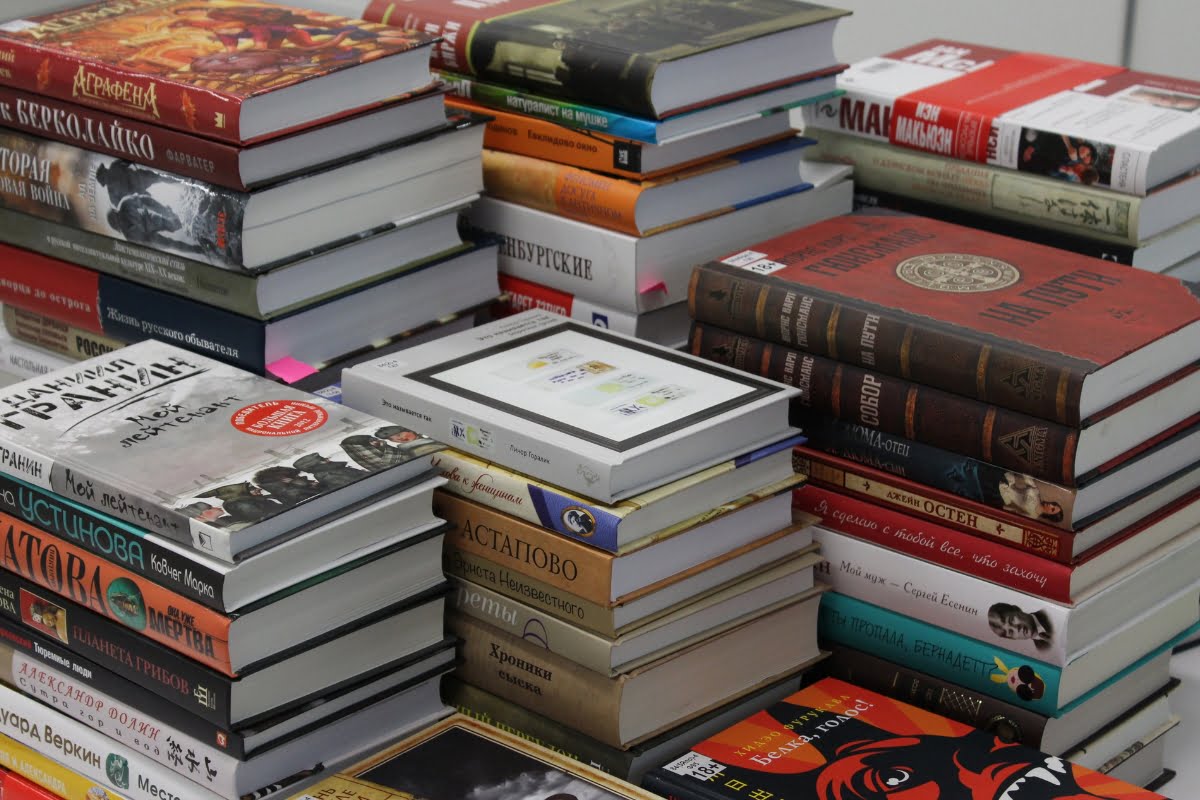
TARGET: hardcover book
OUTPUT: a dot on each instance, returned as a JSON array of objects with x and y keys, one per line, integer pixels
[
  {"x": 1021, "y": 326},
  {"x": 459, "y": 758},
  {"x": 644, "y": 207},
  {"x": 121, "y": 199},
  {"x": 1094, "y": 124},
  {"x": 950, "y": 421},
  {"x": 138, "y": 407},
  {"x": 233, "y": 70},
  {"x": 596, "y": 413},
  {"x": 639, "y": 56},
  {"x": 833, "y": 738},
  {"x": 612, "y": 527}
]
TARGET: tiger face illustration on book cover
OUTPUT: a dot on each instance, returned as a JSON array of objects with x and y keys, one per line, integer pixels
[{"x": 835, "y": 741}]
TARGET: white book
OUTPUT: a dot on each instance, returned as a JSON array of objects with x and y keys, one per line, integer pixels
[
  {"x": 588, "y": 410},
  {"x": 642, "y": 273}
]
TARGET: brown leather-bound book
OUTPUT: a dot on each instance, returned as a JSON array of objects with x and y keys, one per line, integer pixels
[{"x": 1021, "y": 326}]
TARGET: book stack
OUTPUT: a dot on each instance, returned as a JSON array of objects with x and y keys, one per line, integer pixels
[
  {"x": 1094, "y": 158},
  {"x": 631, "y": 140},
  {"x": 1002, "y": 445},
  {"x": 212, "y": 585},
  {"x": 274, "y": 187},
  {"x": 621, "y": 521}
]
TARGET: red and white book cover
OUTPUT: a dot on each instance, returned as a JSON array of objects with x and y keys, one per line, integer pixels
[{"x": 1084, "y": 122}]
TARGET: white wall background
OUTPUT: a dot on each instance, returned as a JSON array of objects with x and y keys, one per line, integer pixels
[{"x": 1164, "y": 35}]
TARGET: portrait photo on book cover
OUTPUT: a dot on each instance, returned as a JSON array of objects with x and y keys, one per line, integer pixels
[
  {"x": 1008, "y": 621},
  {"x": 44, "y": 616},
  {"x": 459, "y": 765}
]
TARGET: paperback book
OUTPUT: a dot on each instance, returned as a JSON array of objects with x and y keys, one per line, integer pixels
[{"x": 61, "y": 432}]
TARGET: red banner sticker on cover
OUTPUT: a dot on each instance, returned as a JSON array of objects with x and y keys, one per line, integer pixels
[{"x": 279, "y": 418}]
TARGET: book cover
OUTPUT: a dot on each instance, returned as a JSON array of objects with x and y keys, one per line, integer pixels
[
  {"x": 574, "y": 516},
  {"x": 835, "y": 740},
  {"x": 55, "y": 781},
  {"x": 459, "y": 758},
  {"x": 71, "y": 342},
  {"x": 588, "y": 410},
  {"x": 1094, "y": 124},
  {"x": 140, "y": 406},
  {"x": 188, "y": 64},
  {"x": 1018, "y": 325},
  {"x": 605, "y": 53}
]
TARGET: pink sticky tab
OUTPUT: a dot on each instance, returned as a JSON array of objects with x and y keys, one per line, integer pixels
[
  {"x": 289, "y": 370},
  {"x": 657, "y": 287}
]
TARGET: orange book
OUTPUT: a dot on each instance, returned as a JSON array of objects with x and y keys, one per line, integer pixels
[
  {"x": 644, "y": 207},
  {"x": 612, "y": 155}
]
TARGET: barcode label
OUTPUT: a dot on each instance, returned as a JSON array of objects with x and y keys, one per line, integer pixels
[{"x": 743, "y": 258}]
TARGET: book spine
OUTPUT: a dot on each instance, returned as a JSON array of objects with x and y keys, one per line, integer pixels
[
  {"x": 118, "y": 543},
  {"x": 523, "y": 723},
  {"x": 532, "y": 677},
  {"x": 214, "y": 286},
  {"x": 112, "y": 646},
  {"x": 972, "y": 554},
  {"x": 115, "y": 592},
  {"x": 972, "y": 664},
  {"x": 130, "y": 726},
  {"x": 64, "y": 76},
  {"x": 517, "y": 619},
  {"x": 73, "y": 344},
  {"x": 484, "y": 572},
  {"x": 893, "y": 405},
  {"x": 562, "y": 190},
  {"x": 523, "y": 498},
  {"x": 126, "y": 312},
  {"x": 1003, "y": 194},
  {"x": 955, "y": 362},
  {"x": 1094, "y": 248},
  {"x": 58, "y": 781},
  {"x": 122, "y": 137},
  {"x": 528, "y": 549},
  {"x": 28, "y": 360},
  {"x": 40, "y": 651},
  {"x": 1049, "y": 543},
  {"x": 81, "y": 749},
  {"x": 586, "y": 261},
  {"x": 536, "y": 138},
  {"x": 1009, "y": 722},
  {"x": 951, "y": 472},
  {"x": 941, "y": 596},
  {"x": 552, "y": 109},
  {"x": 524, "y": 295},
  {"x": 119, "y": 199}
]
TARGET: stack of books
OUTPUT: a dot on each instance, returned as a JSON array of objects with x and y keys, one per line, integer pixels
[
  {"x": 1094, "y": 158},
  {"x": 1002, "y": 445},
  {"x": 274, "y": 187},
  {"x": 632, "y": 140},
  {"x": 212, "y": 584},
  {"x": 621, "y": 521}
]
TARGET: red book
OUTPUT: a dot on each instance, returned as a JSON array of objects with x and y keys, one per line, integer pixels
[
  {"x": 233, "y": 70},
  {"x": 1030, "y": 328}
]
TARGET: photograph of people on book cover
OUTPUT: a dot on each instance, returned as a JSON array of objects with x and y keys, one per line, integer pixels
[
  {"x": 1066, "y": 158},
  {"x": 269, "y": 490},
  {"x": 459, "y": 765},
  {"x": 1163, "y": 98},
  {"x": 1008, "y": 621},
  {"x": 598, "y": 50},
  {"x": 120, "y": 199},
  {"x": 44, "y": 616}
]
